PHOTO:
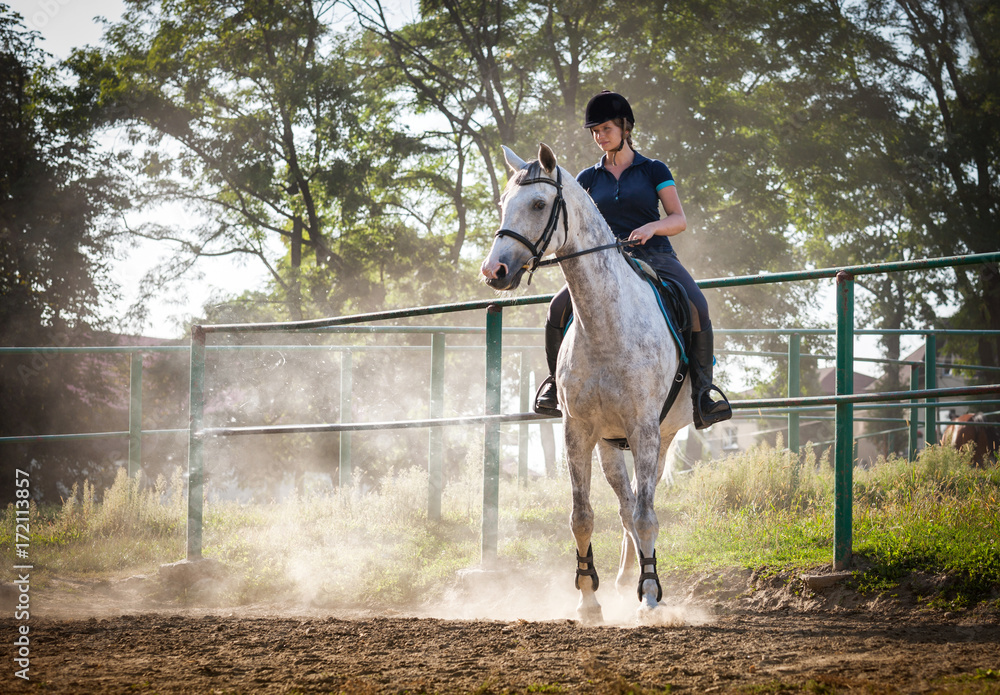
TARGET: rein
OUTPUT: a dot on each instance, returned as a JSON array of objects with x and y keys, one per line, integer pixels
[
  {"x": 617, "y": 245},
  {"x": 559, "y": 207}
]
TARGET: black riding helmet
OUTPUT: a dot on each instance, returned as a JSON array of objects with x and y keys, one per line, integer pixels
[{"x": 607, "y": 106}]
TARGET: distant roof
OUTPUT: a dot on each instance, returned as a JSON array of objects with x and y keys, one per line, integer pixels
[{"x": 828, "y": 381}]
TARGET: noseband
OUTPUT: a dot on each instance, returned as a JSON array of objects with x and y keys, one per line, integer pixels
[{"x": 559, "y": 206}]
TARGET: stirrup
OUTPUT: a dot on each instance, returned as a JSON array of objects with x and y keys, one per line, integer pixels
[
  {"x": 643, "y": 561},
  {"x": 702, "y": 419},
  {"x": 591, "y": 570}
]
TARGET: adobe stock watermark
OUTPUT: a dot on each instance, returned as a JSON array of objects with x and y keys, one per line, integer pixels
[
  {"x": 22, "y": 570},
  {"x": 38, "y": 363},
  {"x": 45, "y": 12}
]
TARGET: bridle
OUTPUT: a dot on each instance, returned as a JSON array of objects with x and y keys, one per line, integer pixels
[{"x": 558, "y": 207}]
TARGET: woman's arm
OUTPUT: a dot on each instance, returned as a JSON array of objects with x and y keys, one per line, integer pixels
[{"x": 674, "y": 223}]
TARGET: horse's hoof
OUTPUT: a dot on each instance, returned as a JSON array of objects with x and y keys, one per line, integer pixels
[
  {"x": 591, "y": 616},
  {"x": 648, "y": 603}
]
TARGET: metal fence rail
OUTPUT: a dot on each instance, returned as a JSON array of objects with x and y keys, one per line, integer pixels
[
  {"x": 843, "y": 401},
  {"x": 136, "y": 365},
  {"x": 794, "y": 405}
]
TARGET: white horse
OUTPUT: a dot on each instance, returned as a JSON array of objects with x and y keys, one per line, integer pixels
[{"x": 615, "y": 367}]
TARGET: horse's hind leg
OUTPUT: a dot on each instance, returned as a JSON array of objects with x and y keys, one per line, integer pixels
[
  {"x": 579, "y": 455},
  {"x": 613, "y": 462}
]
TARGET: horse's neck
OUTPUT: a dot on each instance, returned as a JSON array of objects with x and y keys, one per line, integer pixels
[{"x": 603, "y": 288}]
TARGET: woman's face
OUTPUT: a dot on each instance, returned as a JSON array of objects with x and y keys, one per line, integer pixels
[{"x": 607, "y": 135}]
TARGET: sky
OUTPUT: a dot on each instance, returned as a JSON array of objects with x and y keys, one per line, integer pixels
[{"x": 64, "y": 24}]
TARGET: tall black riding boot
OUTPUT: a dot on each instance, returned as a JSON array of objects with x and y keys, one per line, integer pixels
[
  {"x": 707, "y": 412},
  {"x": 547, "y": 400}
]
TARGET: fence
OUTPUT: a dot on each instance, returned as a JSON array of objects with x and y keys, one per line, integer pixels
[
  {"x": 843, "y": 401},
  {"x": 930, "y": 366},
  {"x": 438, "y": 348}
]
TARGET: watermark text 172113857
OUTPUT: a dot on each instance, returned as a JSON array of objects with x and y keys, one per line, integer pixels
[{"x": 22, "y": 570}]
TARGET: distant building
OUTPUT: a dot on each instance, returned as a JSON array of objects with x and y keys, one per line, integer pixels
[{"x": 739, "y": 434}]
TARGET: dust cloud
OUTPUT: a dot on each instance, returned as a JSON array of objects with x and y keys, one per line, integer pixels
[{"x": 288, "y": 537}]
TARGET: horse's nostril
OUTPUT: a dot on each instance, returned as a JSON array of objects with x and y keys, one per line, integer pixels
[{"x": 501, "y": 272}]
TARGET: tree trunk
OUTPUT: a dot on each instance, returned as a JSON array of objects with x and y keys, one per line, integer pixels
[{"x": 294, "y": 286}]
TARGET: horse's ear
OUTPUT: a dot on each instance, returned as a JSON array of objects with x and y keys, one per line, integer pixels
[
  {"x": 514, "y": 162},
  {"x": 546, "y": 158}
]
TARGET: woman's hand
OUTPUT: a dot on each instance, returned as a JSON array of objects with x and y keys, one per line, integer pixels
[{"x": 643, "y": 233}]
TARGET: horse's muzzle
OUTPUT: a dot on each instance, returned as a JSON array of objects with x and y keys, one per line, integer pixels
[
  {"x": 506, "y": 281},
  {"x": 498, "y": 276}
]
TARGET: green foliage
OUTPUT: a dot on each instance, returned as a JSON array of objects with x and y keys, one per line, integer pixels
[
  {"x": 132, "y": 526},
  {"x": 938, "y": 516},
  {"x": 758, "y": 508},
  {"x": 54, "y": 190},
  {"x": 258, "y": 119},
  {"x": 759, "y": 480}
]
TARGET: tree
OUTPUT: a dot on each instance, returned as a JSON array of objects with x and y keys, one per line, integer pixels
[
  {"x": 250, "y": 116},
  {"x": 447, "y": 64},
  {"x": 55, "y": 243},
  {"x": 53, "y": 189},
  {"x": 951, "y": 50}
]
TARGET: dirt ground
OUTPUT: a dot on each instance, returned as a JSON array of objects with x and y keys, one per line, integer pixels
[{"x": 729, "y": 632}]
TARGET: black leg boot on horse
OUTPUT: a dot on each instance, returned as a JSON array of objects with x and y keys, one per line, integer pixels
[
  {"x": 701, "y": 358},
  {"x": 547, "y": 398}
]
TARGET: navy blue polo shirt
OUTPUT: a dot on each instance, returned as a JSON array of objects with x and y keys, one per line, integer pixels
[{"x": 632, "y": 200}]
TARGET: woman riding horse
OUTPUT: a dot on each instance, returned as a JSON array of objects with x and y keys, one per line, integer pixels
[{"x": 627, "y": 188}]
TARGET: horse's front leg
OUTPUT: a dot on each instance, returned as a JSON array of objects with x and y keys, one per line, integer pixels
[
  {"x": 579, "y": 453},
  {"x": 613, "y": 462},
  {"x": 645, "y": 444}
]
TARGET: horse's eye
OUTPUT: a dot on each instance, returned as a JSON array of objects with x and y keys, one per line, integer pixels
[{"x": 539, "y": 205}]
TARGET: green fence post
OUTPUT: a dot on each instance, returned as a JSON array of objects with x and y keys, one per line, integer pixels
[
  {"x": 911, "y": 450},
  {"x": 522, "y": 429},
  {"x": 844, "y": 445},
  {"x": 196, "y": 495},
  {"x": 794, "y": 390},
  {"x": 135, "y": 414},
  {"x": 930, "y": 382},
  {"x": 346, "y": 384},
  {"x": 491, "y": 443},
  {"x": 435, "y": 455}
]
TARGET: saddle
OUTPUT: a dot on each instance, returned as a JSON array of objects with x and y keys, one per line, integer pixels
[
  {"x": 676, "y": 309},
  {"x": 673, "y": 300}
]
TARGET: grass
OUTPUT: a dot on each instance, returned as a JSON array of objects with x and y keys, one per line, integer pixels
[
  {"x": 939, "y": 517},
  {"x": 763, "y": 509}
]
